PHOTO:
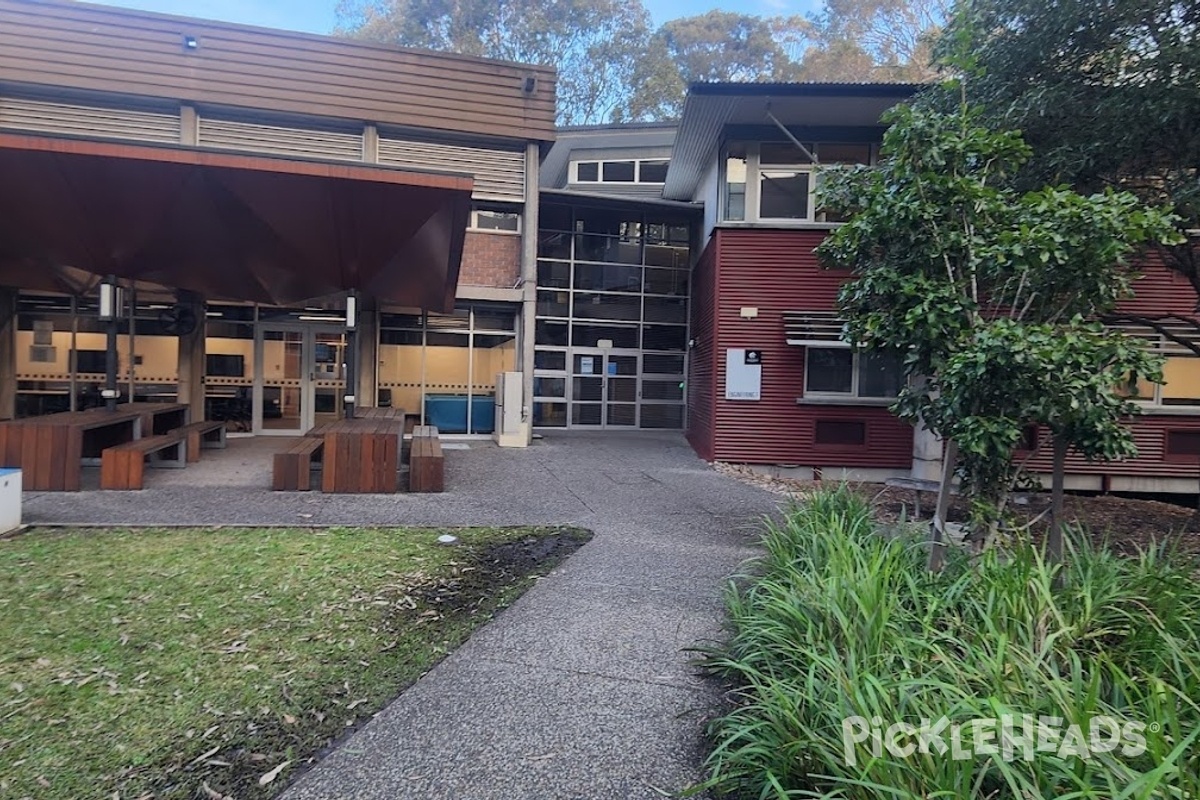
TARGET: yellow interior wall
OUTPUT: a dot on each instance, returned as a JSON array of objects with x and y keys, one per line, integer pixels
[
  {"x": 401, "y": 364},
  {"x": 489, "y": 362},
  {"x": 160, "y": 355},
  {"x": 447, "y": 370},
  {"x": 1181, "y": 378}
]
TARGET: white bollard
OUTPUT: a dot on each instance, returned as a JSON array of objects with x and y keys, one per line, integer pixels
[{"x": 10, "y": 500}]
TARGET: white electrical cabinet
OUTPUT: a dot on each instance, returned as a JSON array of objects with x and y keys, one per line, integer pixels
[
  {"x": 10, "y": 500},
  {"x": 512, "y": 430}
]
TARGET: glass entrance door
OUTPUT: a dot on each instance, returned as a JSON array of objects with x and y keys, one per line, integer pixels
[
  {"x": 328, "y": 372},
  {"x": 299, "y": 378},
  {"x": 604, "y": 389}
]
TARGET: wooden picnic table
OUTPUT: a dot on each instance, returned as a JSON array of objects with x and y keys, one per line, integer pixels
[
  {"x": 50, "y": 450},
  {"x": 362, "y": 454}
]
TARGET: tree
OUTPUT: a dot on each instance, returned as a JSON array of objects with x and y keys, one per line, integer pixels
[
  {"x": 1106, "y": 94},
  {"x": 852, "y": 40},
  {"x": 880, "y": 40},
  {"x": 720, "y": 46},
  {"x": 990, "y": 294},
  {"x": 595, "y": 44}
]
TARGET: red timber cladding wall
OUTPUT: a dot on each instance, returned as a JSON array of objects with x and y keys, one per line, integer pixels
[
  {"x": 702, "y": 373},
  {"x": 1152, "y": 461},
  {"x": 776, "y": 271},
  {"x": 1160, "y": 291},
  {"x": 490, "y": 259}
]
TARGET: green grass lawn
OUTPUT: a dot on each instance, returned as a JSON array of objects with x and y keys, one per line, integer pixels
[{"x": 193, "y": 663}]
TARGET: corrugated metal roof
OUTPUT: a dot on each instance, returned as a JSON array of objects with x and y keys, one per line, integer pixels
[{"x": 710, "y": 107}]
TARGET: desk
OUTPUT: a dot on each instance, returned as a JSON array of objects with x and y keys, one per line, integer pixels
[
  {"x": 50, "y": 450},
  {"x": 159, "y": 418},
  {"x": 362, "y": 454}
]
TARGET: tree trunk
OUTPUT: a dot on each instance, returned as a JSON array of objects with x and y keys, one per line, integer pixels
[
  {"x": 937, "y": 528},
  {"x": 1054, "y": 538}
]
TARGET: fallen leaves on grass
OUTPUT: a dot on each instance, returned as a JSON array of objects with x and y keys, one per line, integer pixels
[{"x": 273, "y": 774}]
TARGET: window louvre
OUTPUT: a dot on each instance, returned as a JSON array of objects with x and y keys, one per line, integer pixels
[
  {"x": 848, "y": 433},
  {"x": 1183, "y": 443}
]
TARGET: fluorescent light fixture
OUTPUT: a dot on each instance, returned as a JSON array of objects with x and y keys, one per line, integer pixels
[
  {"x": 320, "y": 318},
  {"x": 351, "y": 311},
  {"x": 110, "y": 300}
]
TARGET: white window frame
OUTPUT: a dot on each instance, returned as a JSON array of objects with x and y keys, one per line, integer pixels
[
  {"x": 473, "y": 223},
  {"x": 753, "y": 188},
  {"x": 1154, "y": 403},
  {"x": 846, "y": 398},
  {"x": 600, "y": 162}
]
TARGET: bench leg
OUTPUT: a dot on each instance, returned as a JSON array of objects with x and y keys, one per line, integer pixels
[
  {"x": 304, "y": 473},
  {"x": 172, "y": 457},
  {"x": 283, "y": 472}
]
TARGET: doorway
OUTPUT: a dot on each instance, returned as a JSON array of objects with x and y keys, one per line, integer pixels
[
  {"x": 604, "y": 388},
  {"x": 299, "y": 377}
]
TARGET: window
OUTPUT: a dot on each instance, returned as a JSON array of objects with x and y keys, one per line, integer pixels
[
  {"x": 777, "y": 181},
  {"x": 843, "y": 372},
  {"x": 491, "y": 219},
  {"x": 618, "y": 171},
  {"x": 652, "y": 171},
  {"x": 783, "y": 194},
  {"x": 646, "y": 170},
  {"x": 587, "y": 172},
  {"x": 1180, "y": 386},
  {"x": 851, "y": 433}
]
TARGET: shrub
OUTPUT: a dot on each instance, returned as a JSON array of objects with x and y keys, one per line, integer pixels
[{"x": 842, "y": 621}]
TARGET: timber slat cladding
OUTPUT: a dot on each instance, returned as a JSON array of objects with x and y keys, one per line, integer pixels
[
  {"x": 426, "y": 464},
  {"x": 291, "y": 469},
  {"x": 361, "y": 456},
  {"x": 136, "y": 53}
]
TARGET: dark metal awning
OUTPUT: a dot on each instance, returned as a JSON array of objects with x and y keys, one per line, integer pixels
[{"x": 228, "y": 226}]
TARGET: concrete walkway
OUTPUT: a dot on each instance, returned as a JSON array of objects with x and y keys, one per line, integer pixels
[{"x": 581, "y": 689}]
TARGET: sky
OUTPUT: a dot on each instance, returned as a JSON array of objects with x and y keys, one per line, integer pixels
[{"x": 317, "y": 16}]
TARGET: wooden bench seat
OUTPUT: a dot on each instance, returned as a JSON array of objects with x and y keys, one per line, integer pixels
[
  {"x": 426, "y": 464},
  {"x": 208, "y": 435},
  {"x": 362, "y": 456},
  {"x": 917, "y": 486},
  {"x": 123, "y": 466},
  {"x": 292, "y": 467}
]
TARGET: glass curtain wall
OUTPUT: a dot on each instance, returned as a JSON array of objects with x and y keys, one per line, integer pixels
[
  {"x": 444, "y": 366},
  {"x": 439, "y": 367},
  {"x": 612, "y": 310},
  {"x": 62, "y": 353}
]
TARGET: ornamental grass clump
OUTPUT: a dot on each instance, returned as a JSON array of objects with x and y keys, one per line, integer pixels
[{"x": 857, "y": 673}]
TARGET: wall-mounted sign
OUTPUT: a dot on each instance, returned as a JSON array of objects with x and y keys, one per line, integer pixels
[
  {"x": 743, "y": 374},
  {"x": 586, "y": 365}
]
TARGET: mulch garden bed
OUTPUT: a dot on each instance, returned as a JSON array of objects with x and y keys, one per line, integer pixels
[{"x": 1124, "y": 524}]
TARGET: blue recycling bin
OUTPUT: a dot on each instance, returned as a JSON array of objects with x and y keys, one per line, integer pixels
[{"x": 448, "y": 413}]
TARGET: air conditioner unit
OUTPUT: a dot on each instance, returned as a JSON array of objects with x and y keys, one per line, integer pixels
[
  {"x": 10, "y": 500},
  {"x": 511, "y": 430}
]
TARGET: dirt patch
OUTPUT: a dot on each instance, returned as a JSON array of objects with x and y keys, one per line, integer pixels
[
  {"x": 1123, "y": 524},
  {"x": 485, "y": 577}
]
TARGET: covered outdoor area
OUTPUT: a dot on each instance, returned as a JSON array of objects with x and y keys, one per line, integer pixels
[{"x": 100, "y": 224}]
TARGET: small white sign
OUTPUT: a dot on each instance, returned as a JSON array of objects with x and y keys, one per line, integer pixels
[
  {"x": 743, "y": 374},
  {"x": 587, "y": 365}
]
